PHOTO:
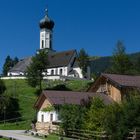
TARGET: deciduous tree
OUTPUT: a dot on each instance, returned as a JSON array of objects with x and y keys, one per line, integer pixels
[
  {"x": 36, "y": 69},
  {"x": 94, "y": 115}
]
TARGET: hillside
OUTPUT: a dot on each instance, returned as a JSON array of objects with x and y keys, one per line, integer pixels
[
  {"x": 101, "y": 64},
  {"x": 27, "y": 96}
]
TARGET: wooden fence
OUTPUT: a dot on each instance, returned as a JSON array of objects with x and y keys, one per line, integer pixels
[
  {"x": 83, "y": 134},
  {"x": 134, "y": 135}
]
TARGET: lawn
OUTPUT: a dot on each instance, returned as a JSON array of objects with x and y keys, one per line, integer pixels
[
  {"x": 27, "y": 97},
  {"x": 55, "y": 137}
]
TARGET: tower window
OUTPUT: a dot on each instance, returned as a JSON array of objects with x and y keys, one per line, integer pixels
[{"x": 42, "y": 44}]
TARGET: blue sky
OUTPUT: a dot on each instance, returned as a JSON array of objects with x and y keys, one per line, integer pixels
[{"x": 95, "y": 25}]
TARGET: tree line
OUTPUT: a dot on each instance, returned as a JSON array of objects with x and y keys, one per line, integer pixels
[
  {"x": 121, "y": 63},
  {"x": 9, "y": 63}
]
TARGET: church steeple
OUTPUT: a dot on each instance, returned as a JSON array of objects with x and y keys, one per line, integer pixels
[{"x": 46, "y": 32}]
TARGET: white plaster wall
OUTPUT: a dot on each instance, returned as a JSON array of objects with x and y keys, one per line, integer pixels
[
  {"x": 79, "y": 71},
  {"x": 13, "y": 77},
  {"x": 54, "y": 77},
  {"x": 57, "y": 71},
  {"x": 15, "y": 73},
  {"x": 49, "y": 71},
  {"x": 47, "y": 116},
  {"x": 45, "y": 36}
]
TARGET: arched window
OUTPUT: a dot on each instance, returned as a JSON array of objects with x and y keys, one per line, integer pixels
[
  {"x": 61, "y": 71},
  {"x": 42, "y": 44},
  {"x": 52, "y": 72}
]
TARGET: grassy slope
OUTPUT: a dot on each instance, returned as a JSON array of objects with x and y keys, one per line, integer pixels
[{"x": 27, "y": 98}]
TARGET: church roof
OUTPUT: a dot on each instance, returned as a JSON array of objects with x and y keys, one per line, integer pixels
[
  {"x": 56, "y": 59},
  {"x": 60, "y": 59},
  {"x": 21, "y": 65}
]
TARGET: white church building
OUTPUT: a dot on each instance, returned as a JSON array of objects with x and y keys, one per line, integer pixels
[{"x": 61, "y": 64}]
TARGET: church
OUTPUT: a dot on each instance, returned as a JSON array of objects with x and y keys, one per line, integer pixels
[{"x": 61, "y": 64}]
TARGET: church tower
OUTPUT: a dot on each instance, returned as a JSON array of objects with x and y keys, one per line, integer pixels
[{"x": 46, "y": 32}]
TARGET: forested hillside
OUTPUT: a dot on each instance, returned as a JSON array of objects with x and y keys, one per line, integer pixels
[{"x": 101, "y": 64}]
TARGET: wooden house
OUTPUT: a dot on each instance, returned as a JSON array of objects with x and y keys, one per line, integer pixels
[{"x": 116, "y": 86}]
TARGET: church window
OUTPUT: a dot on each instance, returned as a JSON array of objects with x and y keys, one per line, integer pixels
[
  {"x": 61, "y": 71},
  {"x": 42, "y": 43},
  {"x": 52, "y": 72}
]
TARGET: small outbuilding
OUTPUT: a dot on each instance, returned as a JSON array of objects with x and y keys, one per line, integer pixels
[{"x": 49, "y": 103}]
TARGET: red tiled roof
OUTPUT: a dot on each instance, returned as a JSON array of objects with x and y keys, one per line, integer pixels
[
  {"x": 124, "y": 80},
  {"x": 70, "y": 97}
]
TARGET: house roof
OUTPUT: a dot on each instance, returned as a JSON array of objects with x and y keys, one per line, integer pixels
[
  {"x": 119, "y": 80},
  {"x": 56, "y": 59},
  {"x": 124, "y": 80},
  {"x": 68, "y": 97}
]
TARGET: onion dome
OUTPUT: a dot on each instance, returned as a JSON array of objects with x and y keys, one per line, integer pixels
[{"x": 46, "y": 22}]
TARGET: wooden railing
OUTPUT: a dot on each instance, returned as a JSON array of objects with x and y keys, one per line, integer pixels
[
  {"x": 134, "y": 135},
  {"x": 86, "y": 135}
]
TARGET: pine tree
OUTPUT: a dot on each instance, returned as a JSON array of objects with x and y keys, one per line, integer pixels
[
  {"x": 15, "y": 61},
  {"x": 7, "y": 65},
  {"x": 121, "y": 63},
  {"x": 83, "y": 60}
]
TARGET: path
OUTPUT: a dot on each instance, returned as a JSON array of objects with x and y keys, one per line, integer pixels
[{"x": 17, "y": 134}]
